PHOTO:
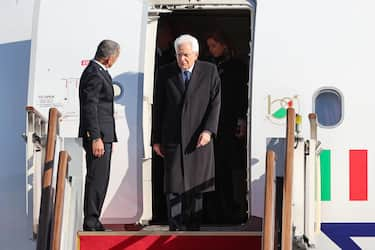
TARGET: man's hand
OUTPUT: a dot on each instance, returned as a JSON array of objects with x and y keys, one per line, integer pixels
[
  {"x": 98, "y": 147},
  {"x": 158, "y": 150},
  {"x": 204, "y": 138}
]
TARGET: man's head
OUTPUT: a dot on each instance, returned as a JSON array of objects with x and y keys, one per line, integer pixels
[
  {"x": 187, "y": 50},
  {"x": 217, "y": 44},
  {"x": 107, "y": 52}
]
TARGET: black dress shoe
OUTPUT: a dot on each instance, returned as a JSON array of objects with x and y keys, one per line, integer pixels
[
  {"x": 173, "y": 228},
  {"x": 97, "y": 227},
  {"x": 193, "y": 228},
  {"x": 85, "y": 228}
]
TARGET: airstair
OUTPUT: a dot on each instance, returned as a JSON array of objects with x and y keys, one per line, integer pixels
[{"x": 291, "y": 213}]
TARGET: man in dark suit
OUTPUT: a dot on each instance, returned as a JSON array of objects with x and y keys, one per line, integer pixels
[
  {"x": 97, "y": 129},
  {"x": 185, "y": 118}
]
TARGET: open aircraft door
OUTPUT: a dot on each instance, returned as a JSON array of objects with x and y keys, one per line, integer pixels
[
  {"x": 148, "y": 88},
  {"x": 65, "y": 37}
]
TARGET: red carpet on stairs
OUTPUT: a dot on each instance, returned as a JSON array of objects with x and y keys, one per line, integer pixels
[{"x": 178, "y": 241}]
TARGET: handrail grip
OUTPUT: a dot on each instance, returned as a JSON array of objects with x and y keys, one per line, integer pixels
[
  {"x": 46, "y": 205},
  {"x": 53, "y": 128},
  {"x": 64, "y": 158},
  {"x": 269, "y": 206},
  {"x": 286, "y": 239}
]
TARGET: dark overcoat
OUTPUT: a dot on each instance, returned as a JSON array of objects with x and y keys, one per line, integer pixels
[{"x": 179, "y": 116}]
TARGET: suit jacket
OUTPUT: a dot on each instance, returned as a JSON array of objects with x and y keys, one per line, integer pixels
[
  {"x": 179, "y": 116},
  {"x": 96, "y": 104}
]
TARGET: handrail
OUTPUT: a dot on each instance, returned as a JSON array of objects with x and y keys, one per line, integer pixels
[
  {"x": 269, "y": 206},
  {"x": 64, "y": 158},
  {"x": 314, "y": 163},
  {"x": 38, "y": 121},
  {"x": 46, "y": 205},
  {"x": 31, "y": 109},
  {"x": 286, "y": 238},
  {"x": 35, "y": 136},
  {"x": 53, "y": 128}
]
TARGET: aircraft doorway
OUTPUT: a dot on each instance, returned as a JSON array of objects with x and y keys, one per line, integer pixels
[{"x": 228, "y": 205}]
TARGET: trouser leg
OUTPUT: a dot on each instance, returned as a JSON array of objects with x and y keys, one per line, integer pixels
[
  {"x": 96, "y": 184},
  {"x": 192, "y": 210},
  {"x": 174, "y": 208}
]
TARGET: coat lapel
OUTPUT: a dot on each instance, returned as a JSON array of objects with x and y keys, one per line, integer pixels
[{"x": 178, "y": 81}]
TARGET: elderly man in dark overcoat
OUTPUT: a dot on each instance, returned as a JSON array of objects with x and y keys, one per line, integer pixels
[{"x": 186, "y": 110}]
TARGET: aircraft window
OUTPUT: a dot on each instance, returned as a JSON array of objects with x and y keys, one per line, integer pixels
[{"x": 328, "y": 105}]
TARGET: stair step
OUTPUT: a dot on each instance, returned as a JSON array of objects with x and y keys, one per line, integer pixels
[{"x": 155, "y": 240}]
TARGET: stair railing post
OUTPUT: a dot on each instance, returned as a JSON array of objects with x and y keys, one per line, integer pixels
[
  {"x": 64, "y": 158},
  {"x": 286, "y": 236},
  {"x": 46, "y": 205},
  {"x": 268, "y": 240}
]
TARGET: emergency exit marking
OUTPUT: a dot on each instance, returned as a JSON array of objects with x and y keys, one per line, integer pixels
[{"x": 85, "y": 62}]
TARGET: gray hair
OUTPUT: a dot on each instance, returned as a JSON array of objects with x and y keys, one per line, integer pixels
[
  {"x": 107, "y": 48},
  {"x": 186, "y": 38}
]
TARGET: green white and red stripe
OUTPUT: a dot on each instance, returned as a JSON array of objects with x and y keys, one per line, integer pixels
[
  {"x": 358, "y": 175},
  {"x": 358, "y": 179},
  {"x": 325, "y": 175}
]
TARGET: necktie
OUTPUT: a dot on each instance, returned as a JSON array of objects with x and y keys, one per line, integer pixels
[{"x": 186, "y": 78}]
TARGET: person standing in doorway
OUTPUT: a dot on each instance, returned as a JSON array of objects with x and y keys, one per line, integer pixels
[
  {"x": 229, "y": 205},
  {"x": 185, "y": 118},
  {"x": 97, "y": 129}
]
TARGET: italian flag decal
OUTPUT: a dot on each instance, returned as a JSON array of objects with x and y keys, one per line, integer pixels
[{"x": 357, "y": 175}]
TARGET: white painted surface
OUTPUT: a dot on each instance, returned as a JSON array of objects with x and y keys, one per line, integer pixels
[
  {"x": 15, "y": 19},
  {"x": 148, "y": 89},
  {"x": 67, "y": 33},
  {"x": 298, "y": 196},
  {"x": 301, "y": 46}
]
